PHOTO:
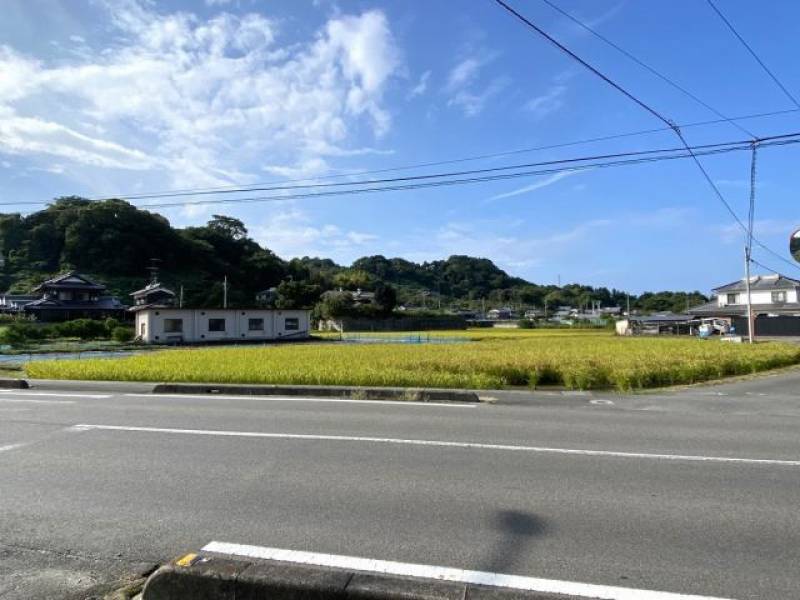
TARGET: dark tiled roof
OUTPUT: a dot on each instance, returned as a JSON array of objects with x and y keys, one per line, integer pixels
[
  {"x": 712, "y": 309},
  {"x": 60, "y": 282},
  {"x": 102, "y": 303},
  {"x": 760, "y": 282},
  {"x": 662, "y": 318}
]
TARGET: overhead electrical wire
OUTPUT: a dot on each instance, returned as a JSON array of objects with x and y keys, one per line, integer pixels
[
  {"x": 647, "y": 67},
  {"x": 142, "y": 195},
  {"x": 753, "y": 54},
  {"x": 646, "y": 107},
  {"x": 570, "y": 165}
]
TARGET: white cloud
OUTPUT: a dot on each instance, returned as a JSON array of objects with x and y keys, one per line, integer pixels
[
  {"x": 292, "y": 232},
  {"x": 218, "y": 2},
  {"x": 473, "y": 103},
  {"x": 421, "y": 87},
  {"x": 535, "y": 186},
  {"x": 201, "y": 99},
  {"x": 733, "y": 232},
  {"x": 547, "y": 103},
  {"x": 464, "y": 86}
]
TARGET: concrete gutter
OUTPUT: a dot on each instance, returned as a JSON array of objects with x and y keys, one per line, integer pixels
[
  {"x": 315, "y": 391},
  {"x": 288, "y": 391},
  {"x": 201, "y": 577},
  {"x": 14, "y": 384}
]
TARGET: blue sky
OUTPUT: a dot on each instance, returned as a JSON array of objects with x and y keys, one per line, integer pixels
[{"x": 116, "y": 97}]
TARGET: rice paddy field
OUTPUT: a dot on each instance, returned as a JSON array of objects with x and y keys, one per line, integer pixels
[{"x": 488, "y": 359}]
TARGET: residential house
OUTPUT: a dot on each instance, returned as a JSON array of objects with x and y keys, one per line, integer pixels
[
  {"x": 73, "y": 296},
  {"x": 15, "y": 303},
  {"x": 775, "y": 301},
  {"x": 500, "y": 314}
]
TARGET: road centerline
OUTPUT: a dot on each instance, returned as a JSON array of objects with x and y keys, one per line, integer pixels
[
  {"x": 519, "y": 582},
  {"x": 442, "y": 443}
]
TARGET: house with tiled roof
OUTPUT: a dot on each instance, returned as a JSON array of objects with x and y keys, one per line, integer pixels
[{"x": 73, "y": 296}]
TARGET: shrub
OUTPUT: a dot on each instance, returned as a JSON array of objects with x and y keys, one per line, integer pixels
[
  {"x": 13, "y": 336},
  {"x": 111, "y": 324},
  {"x": 85, "y": 329},
  {"x": 122, "y": 334},
  {"x": 526, "y": 324}
]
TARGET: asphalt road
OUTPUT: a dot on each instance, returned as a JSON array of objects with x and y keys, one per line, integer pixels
[{"x": 690, "y": 492}]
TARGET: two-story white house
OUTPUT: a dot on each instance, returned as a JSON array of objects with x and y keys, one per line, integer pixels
[{"x": 775, "y": 301}]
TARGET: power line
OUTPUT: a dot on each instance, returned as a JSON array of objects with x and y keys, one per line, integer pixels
[
  {"x": 589, "y": 161},
  {"x": 644, "y": 65},
  {"x": 192, "y": 191},
  {"x": 649, "y": 109},
  {"x": 753, "y": 54},
  {"x": 430, "y": 175},
  {"x": 682, "y": 154}
]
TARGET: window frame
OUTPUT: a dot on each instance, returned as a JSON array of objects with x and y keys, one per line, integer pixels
[
  {"x": 217, "y": 320},
  {"x": 172, "y": 322},
  {"x": 733, "y": 295},
  {"x": 258, "y": 320},
  {"x": 779, "y": 297},
  {"x": 295, "y": 324}
]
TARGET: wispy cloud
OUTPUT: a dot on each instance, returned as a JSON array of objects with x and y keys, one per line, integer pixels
[
  {"x": 466, "y": 89},
  {"x": 543, "y": 183},
  {"x": 547, "y": 103},
  {"x": 421, "y": 87},
  {"x": 194, "y": 100}
]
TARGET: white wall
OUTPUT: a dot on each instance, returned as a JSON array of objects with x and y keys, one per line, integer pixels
[
  {"x": 195, "y": 325},
  {"x": 756, "y": 297}
]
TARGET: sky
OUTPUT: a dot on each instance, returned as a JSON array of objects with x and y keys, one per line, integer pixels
[{"x": 113, "y": 98}]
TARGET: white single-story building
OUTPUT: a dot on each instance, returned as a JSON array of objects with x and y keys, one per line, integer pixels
[{"x": 171, "y": 325}]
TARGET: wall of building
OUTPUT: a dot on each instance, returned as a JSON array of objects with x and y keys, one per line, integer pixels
[
  {"x": 756, "y": 297},
  {"x": 198, "y": 325}
]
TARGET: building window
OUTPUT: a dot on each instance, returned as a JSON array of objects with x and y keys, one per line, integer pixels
[
  {"x": 732, "y": 298},
  {"x": 216, "y": 324},
  {"x": 173, "y": 325},
  {"x": 291, "y": 324},
  {"x": 778, "y": 297},
  {"x": 143, "y": 329},
  {"x": 255, "y": 324}
]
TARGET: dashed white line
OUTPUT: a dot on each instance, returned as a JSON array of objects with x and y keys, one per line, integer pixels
[
  {"x": 11, "y": 447},
  {"x": 441, "y": 443},
  {"x": 533, "y": 584},
  {"x": 52, "y": 394},
  {"x": 33, "y": 401},
  {"x": 305, "y": 399}
]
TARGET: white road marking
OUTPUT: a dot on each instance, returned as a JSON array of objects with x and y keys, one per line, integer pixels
[
  {"x": 303, "y": 399},
  {"x": 518, "y": 582},
  {"x": 601, "y": 401},
  {"x": 438, "y": 443},
  {"x": 11, "y": 447},
  {"x": 53, "y": 394},
  {"x": 33, "y": 401}
]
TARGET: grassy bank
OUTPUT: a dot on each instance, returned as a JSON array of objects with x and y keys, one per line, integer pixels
[{"x": 574, "y": 359}]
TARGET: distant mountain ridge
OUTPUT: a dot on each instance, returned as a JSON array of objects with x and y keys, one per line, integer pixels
[{"x": 114, "y": 241}]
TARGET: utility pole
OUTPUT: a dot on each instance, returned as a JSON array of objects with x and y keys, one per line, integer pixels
[
  {"x": 225, "y": 292},
  {"x": 628, "y": 298},
  {"x": 180, "y": 302},
  {"x": 750, "y": 322}
]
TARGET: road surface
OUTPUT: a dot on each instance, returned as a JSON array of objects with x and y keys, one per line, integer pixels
[{"x": 688, "y": 492}]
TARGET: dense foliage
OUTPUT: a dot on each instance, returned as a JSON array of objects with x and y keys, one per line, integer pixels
[
  {"x": 495, "y": 359},
  {"x": 114, "y": 241}
]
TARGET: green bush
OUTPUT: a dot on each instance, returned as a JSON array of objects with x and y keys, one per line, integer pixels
[
  {"x": 85, "y": 329},
  {"x": 13, "y": 336},
  {"x": 526, "y": 324},
  {"x": 111, "y": 324},
  {"x": 122, "y": 334}
]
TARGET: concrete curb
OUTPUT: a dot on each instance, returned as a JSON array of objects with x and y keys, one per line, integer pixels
[
  {"x": 196, "y": 577},
  {"x": 312, "y": 391},
  {"x": 14, "y": 384}
]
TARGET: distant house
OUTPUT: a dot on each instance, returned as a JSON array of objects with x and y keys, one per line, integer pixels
[
  {"x": 153, "y": 295},
  {"x": 500, "y": 314},
  {"x": 775, "y": 301},
  {"x": 171, "y": 325},
  {"x": 360, "y": 297},
  {"x": 15, "y": 303},
  {"x": 73, "y": 296}
]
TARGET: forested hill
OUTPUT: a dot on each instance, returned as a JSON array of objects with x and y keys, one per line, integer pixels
[{"x": 114, "y": 242}]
